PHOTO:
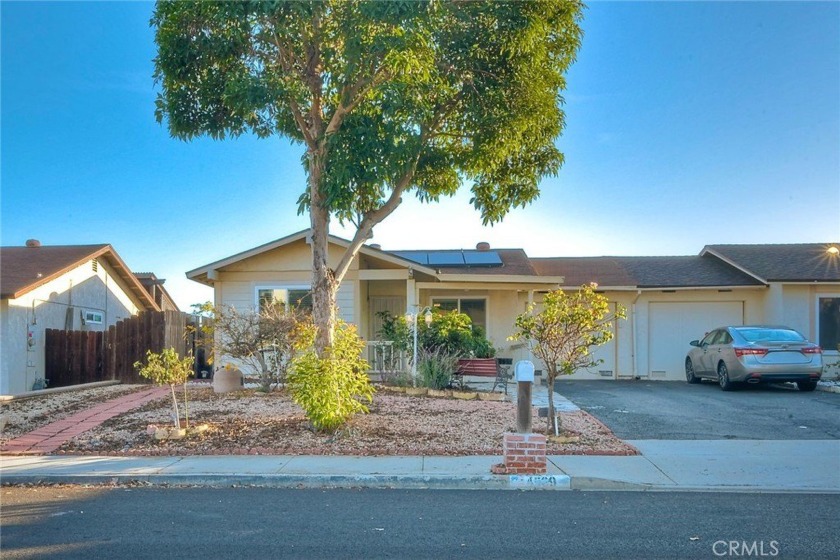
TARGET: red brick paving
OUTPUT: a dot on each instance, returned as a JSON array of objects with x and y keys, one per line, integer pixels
[{"x": 47, "y": 439}]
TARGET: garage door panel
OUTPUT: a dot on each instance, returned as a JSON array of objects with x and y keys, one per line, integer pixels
[{"x": 673, "y": 324}]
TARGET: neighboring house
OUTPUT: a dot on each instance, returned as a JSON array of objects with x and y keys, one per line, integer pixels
[
  {"x": 70, "y": 287},
  {"x": 669, "y": 300},
  {"x": 154, "y": 286}
]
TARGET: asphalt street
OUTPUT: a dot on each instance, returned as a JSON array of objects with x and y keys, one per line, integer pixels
[
  {"x": 678, "y": 411},
  {"x": 116, "y": 522}
]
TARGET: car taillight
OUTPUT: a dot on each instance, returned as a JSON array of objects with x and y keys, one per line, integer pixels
[
  {"x": 750, "y": 351},
  {"x": 812, "y": 350}
]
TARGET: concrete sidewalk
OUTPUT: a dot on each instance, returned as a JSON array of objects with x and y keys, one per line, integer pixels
[
  {"x": 740, "y": 465},
  {"x": 685, "y": 465}
]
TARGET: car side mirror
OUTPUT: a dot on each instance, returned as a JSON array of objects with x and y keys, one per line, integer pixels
[{"x": 695, "y": 343}]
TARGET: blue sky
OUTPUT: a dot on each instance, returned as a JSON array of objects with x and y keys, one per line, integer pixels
[{"x": 687, "y": 124}]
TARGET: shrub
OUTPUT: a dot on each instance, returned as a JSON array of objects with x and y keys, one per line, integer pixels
[
  {"x": 167, "y": 368},
  {"x": 435, "y": 368},
  {"x": 334, "y": 388},
  {"x": 450, "y": 331}
]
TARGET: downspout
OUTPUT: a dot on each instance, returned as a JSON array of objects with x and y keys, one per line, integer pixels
[{"x": 634, "y": 335}]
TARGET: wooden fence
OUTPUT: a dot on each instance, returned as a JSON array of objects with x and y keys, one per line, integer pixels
[{"x": 74, "y": 357}]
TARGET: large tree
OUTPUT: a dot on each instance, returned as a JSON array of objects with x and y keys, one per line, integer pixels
[{"x": 387, "y": 98}]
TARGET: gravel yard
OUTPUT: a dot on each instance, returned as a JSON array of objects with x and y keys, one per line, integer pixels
[{"x": 250, "y": 422}]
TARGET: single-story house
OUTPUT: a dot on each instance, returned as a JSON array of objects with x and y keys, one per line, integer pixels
[
  {"x": 669, "y": 300},
  {"x": 66, "y": 287}
]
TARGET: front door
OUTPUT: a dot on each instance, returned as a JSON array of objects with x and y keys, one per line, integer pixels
[{"x": 395, "y": 305}]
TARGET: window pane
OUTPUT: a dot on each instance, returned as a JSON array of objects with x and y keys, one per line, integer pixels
[
  {"x": 446, "y": 304},
  {"x": 476, "y": 309},
  {"x": 269, "y": 296},
  {"x": 302, "y": 299},
  {"x": 829, "y": 323}
]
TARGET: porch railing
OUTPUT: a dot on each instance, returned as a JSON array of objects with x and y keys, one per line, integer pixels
[{"x": 384, "y": 358}]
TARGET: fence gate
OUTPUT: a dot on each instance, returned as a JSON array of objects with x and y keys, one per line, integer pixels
[{"x": 73, "y": 357}]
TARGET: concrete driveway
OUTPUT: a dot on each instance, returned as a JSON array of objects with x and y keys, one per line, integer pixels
[{"x": 672, "y": 410}]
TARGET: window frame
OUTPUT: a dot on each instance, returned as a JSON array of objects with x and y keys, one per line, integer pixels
[
  {"x": 817, "y": 298},
  {"x": 486, "y": 300},
  {"x": 90, "y": 317}
]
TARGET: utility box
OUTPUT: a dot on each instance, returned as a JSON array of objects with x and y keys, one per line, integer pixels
[{"x": 524, "y": 371}]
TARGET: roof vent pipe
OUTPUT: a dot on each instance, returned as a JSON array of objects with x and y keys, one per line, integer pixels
[
  {"x": 482, "y": 246},
  {"x": 33, "y": 243}
]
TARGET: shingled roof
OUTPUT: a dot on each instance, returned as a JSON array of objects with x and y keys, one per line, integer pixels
[
  {"x": 799, "y": 262},
  {"x": 645, "y": 272},
  {"x": 22, "y": 269}
]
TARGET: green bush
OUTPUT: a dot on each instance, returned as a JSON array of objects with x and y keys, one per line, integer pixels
[
  {"x": 451, "y": 332},
  {"x": 332, "y": 389},
  {"x": 167, "y": 368},
  {"x": 435, "y": 367}
]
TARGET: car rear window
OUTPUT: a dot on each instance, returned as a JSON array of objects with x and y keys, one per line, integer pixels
[{"x": 771, "y": 335}]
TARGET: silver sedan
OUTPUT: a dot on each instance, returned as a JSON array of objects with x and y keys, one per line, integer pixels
[{"x": 754, "y": 354}]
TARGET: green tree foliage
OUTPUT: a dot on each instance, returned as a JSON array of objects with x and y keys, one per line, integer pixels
[
  {"x": 387, "y": 98},
  {"x": 333, "y": 388},
  {"x": 167, "y": 368},
  {"x": 565, "y": 331}
]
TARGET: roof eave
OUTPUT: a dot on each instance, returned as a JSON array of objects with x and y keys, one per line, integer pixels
[
  {"x": 120, "y": 268},
  {"x": 706, "y": 250}
]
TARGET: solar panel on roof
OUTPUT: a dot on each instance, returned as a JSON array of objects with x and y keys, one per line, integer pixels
[
  {"x": 482, "y": 258},
  {"x": 420, "y": 257},
  {"x": 446, "y": 258}
]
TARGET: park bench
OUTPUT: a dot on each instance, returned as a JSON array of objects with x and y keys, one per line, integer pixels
[{"x": 498, "y": 368}]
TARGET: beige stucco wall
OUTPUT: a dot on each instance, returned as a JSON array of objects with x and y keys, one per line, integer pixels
[{"x": 46, "y": 307}]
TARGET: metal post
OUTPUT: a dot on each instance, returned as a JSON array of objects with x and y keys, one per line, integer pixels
[
  {"x": 525, "y": 380},
  {"x": 414, "y": 361},
  {"x": 523, "y": 407}
]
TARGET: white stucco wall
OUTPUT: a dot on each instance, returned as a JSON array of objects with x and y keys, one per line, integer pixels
[{"x": 81, "y": 289}]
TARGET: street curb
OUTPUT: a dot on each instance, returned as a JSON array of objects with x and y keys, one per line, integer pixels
[
  {"x": 585, "y": 483},
  {"x": 396, "y": 482},
  {"x": 428, "y": 482}
]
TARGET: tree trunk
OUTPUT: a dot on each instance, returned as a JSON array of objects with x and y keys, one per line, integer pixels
[{"x": 324, "y": 286}]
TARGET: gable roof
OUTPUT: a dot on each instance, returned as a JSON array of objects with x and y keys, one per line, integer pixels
[
  {"x": 646, "y": 272},
  {"x": 717, "y": 266},
  {"x": 22, "y": 269},
  {"x": 796, "y": 262},
  {"x": 203, "y": 274}
]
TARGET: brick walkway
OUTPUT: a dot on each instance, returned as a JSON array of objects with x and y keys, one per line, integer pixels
[{"x": 47, "y": 439}]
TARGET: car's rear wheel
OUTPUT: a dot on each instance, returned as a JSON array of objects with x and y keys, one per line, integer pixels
[
  {"x": 807, "y": 386},
  {"x": 723, "y": 378},
  {"x": 689, "y": 372}
]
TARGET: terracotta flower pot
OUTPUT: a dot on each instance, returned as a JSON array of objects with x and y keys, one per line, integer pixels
[{"x": 227, "y": 379}]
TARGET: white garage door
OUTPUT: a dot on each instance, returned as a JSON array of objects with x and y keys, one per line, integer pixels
[{"x": 673, "y": 325}]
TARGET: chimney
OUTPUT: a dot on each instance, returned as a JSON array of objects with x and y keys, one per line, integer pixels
[
  {"x": 482, "y": 246},
  {"x": 33, "y": 243}
]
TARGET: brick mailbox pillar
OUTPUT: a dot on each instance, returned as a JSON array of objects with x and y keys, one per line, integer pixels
[
  {"x": 524, "y": 451},
  {"x": 525, "y": 454}
]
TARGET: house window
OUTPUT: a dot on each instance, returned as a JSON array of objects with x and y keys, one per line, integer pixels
[
  {"x": 93, "y": 318},
  {"x": 828, "y": 322},
  {"x": 295, "y": 296},
  {"x": 474, "y": 308}
]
